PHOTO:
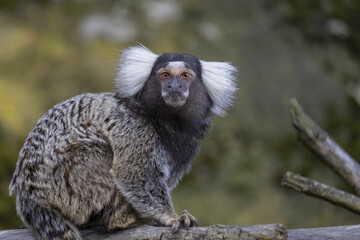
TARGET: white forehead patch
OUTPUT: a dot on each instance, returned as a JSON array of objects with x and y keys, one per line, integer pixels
[
  {"x": 175, "y": 68},
  {"x": 176, "y": 64}
]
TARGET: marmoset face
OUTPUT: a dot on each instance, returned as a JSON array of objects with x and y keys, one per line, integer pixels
[
  {"x": 175, "y": 79},
  {"x": 176, "y": 76}
]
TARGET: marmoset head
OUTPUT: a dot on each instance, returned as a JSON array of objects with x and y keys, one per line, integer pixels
[
  {"x": 178, "y": 81},
  {"x": 175, "y": 73}
]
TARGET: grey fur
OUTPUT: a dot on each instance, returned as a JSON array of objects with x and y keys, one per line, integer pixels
[{"x": 97, "y": 159}]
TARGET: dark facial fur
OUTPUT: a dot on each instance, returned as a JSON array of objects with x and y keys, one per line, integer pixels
[{"x": 194, "y": 106}]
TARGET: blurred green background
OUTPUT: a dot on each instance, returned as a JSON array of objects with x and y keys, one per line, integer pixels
[{"x": 53, "y": 50}]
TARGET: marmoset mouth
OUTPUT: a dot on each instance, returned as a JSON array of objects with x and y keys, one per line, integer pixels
[{"x": 175, "y": 99}]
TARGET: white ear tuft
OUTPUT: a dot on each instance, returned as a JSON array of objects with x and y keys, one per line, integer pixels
[
  {"x": 134, "y": 69},
  {"x": 219, "y": 79}
]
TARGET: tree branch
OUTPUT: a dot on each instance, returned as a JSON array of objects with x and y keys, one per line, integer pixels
[
  {"x": 319, "y": 141},
  {"x": 322, "y": 191},
  {"x": 259, "y": 232},
  {"x": 349, "y": 232}
]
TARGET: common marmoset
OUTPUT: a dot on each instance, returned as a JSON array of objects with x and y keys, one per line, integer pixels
[{"x": 112, "y": 159}]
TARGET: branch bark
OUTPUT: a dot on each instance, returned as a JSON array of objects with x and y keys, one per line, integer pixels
[
  {"x": 258, "y": 232},
  {"x": 261, "y": 232},
  {"x": 322, "y": 191},
  {"x": 323, "y": 145},
  {"x": 349, "y": 232}
]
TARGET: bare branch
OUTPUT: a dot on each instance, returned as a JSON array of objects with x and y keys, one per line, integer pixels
[
  {"x": 321, "y": 143},
  {"x": 260, "y": 232},
  {"x": 349, "y": 232},
  {"x": 322, "y": 191}
]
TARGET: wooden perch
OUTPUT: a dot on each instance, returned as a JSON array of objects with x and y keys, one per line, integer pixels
[
  {"x": 322, "y": 191},
  {"x": 255, "y": 232},
  {"x": 320, "y": 142},
  {"x": 350, "y": 232},
  {"x": 259, "y": 232}
]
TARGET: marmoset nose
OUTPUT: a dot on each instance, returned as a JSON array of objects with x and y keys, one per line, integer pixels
[{"x": 175, "y": 85}]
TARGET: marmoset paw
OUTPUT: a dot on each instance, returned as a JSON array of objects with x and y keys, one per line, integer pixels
[
  {"x": 175, "y": 224},
  {"x": 185, "y": 220}
]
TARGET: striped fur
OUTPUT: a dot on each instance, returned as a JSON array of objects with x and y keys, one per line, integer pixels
[{"x": 112, "y": 159}]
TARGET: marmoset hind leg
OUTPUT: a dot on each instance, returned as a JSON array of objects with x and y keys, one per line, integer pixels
[
  {"x": 48, "y": 224},
  {"x": 76, "y": 190},
  {"x": 117, "y": 214}
]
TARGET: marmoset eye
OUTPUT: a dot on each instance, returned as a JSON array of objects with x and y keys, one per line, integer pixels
[
  {"x": 165, "y": 75},
  {"x": 185, "y": 75}
]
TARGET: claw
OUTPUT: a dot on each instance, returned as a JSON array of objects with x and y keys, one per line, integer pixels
[
  {"x": 187, "y": 225},
  {"x": 193, "y": 223},
  {"x": 188, "y": 220},
  {"x": 185, "y": 220},
  {"x": 175, "y": 227}
]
